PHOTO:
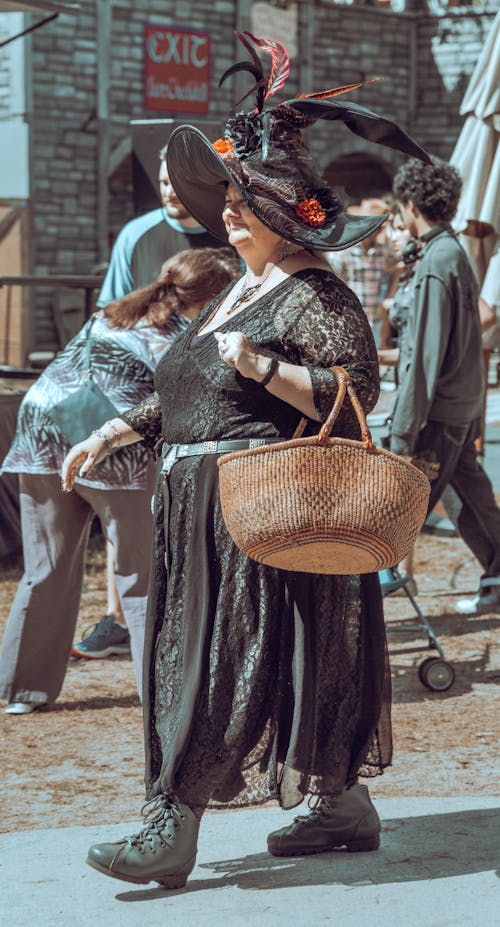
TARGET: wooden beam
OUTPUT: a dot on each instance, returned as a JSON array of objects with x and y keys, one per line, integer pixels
[
  {"x": 119, "y": 153},
  {"x": 242, "y": 83},
  {"x": 104, "y": 18},
  {"x": 7, "y": 221},
  {"x": 413, "y": 65}
]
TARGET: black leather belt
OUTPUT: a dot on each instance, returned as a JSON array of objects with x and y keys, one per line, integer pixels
[{"x": 173, "y": 452}]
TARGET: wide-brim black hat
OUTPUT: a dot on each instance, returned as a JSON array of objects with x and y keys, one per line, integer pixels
[
  {"x": 200, "y": 177},
  {"x": 264, "y": 155}
]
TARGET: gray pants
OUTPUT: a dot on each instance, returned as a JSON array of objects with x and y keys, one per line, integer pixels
[{"x": 55, "y": 529}]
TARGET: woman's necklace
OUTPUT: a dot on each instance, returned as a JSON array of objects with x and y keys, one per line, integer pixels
[{"x": 247, "y": 292}]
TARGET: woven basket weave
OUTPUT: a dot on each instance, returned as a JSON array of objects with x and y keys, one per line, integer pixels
[{"x": 321, "y": 504}]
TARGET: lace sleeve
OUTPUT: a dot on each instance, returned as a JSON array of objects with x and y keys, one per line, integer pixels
[
  {"x": 330, "y": 328},
  {"x": 146, "y": 419}
]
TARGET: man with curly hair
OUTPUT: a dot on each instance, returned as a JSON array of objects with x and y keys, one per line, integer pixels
[{"x": 437, "y": 415}]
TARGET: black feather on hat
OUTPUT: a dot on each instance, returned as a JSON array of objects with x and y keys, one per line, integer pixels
[{"x": 263, "y": 153}]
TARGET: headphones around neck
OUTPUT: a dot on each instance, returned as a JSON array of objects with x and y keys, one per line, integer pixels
[{"x": 411, "y": 251}]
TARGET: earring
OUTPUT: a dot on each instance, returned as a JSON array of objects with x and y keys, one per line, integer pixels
[{"x": 287, "y": 248}]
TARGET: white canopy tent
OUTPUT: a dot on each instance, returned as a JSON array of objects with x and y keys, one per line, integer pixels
[{"x": 477, "y": 156}]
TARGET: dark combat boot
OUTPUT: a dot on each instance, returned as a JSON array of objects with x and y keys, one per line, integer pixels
[
  {"x": 163, "y": 851},
  {"x": 348, "y": 819}
]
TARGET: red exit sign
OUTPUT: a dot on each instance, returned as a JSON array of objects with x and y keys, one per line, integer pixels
[{"x": 177, "y": 70}]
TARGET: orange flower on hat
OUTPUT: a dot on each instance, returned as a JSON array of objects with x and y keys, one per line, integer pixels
[
  {"x": 311, "y": 212},
  {"x": 223, "y": 146}
]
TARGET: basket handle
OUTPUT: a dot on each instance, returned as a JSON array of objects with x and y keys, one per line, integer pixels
[{"x": 345, "y": 385}]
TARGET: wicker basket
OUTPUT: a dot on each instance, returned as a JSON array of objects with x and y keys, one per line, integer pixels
[{"x": 321, "y": 504}]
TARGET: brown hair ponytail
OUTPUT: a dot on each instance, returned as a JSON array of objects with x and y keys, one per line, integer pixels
[{"x": 189, "y": 278}]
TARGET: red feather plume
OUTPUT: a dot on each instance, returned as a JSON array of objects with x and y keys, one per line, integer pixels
[{"x": 280, "y": 61}]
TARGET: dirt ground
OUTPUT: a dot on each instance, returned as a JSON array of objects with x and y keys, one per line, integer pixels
[{"x": 81, "y": 763}]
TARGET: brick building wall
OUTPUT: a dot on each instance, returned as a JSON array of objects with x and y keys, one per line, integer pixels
[
  {"x": 349, "y": 43},
  {"x": 448, "y": 48},
  {"x": 353, "y": 43}
]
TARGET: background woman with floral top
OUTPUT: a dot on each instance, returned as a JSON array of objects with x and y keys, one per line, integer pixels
[{"x": 129, "y": 337}]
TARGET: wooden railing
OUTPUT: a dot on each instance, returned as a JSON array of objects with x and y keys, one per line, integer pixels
[{"x": 88, "y": 283}]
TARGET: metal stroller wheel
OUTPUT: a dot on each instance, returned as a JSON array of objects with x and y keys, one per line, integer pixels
[{"x": 436, "y": 674}]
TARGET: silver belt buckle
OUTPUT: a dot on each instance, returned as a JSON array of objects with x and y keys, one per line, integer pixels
[
  {"x": 210, "y": 447},
  {"x": 169, "y": 460}
]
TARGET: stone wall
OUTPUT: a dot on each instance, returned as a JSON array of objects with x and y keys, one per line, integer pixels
[
  {"x": 349, "y": 43},
  {"x": 358, "y": 44},
  {"x": 353, "y": 44},
  {"x": 63, "y": 143},
  {"x": 448, "y": 48}
]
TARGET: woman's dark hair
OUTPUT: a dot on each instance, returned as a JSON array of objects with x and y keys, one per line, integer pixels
[
  {"x": 433, "y": 188},
  {"x": 187, "y": 279}
]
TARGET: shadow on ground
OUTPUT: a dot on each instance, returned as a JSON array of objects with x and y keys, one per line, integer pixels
[
  {"x": 97, "y": 703},
  {"x": 414, "y": 849},
  {"x": 444, "y": 625}
]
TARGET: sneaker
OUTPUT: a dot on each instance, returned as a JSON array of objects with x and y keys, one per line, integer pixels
[
  {"x": 106, "y": 638},
  {"x": 486, "y": 603},
  {"x": 23, "y": 708}
]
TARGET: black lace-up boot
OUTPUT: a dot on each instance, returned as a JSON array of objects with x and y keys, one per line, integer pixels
[
  {"x": 163, "y": 851},
  {"x": 348, "y": 819}
]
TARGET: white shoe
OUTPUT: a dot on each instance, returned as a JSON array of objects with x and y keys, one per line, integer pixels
[
  {"x": 486, "y": 603},
  {"x": 23, "y": 708}
]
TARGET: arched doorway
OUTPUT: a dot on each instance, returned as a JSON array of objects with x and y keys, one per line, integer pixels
[{"x": 358, "y": 175}]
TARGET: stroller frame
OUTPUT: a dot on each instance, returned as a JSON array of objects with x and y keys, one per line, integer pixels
[{"x": 436, "y": 673}]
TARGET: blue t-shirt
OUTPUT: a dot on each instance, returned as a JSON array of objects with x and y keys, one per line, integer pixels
[{"x": 142, "y": 247}]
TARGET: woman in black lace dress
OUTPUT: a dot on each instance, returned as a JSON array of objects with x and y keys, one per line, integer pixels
[{"x": 262, "y": 683}]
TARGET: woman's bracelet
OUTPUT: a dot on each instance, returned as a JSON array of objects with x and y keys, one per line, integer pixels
[
  {"x": 273, "y": 366},
  {"x": 117, "y": 433},
  {"x": 110, "y": 442},
  {"x": 103, "y": 436}
]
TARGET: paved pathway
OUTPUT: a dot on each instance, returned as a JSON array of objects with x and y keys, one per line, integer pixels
[{"x": 436, "y": 868}]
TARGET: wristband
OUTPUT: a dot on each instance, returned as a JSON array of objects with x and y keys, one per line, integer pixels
[{"x": 273, "y": 366}]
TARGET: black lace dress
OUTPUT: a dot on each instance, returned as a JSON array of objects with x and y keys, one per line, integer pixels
[{"x": 262, "y": 683}]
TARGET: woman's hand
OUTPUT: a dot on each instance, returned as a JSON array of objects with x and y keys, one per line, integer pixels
[
  {"x": 85, "y": 456},
  {"x": 288, "y": 382},
  {"x": 236, "y": 350}
]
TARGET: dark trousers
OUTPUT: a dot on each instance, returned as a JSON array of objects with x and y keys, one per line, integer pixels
[{"x": 475, "y": 514}]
